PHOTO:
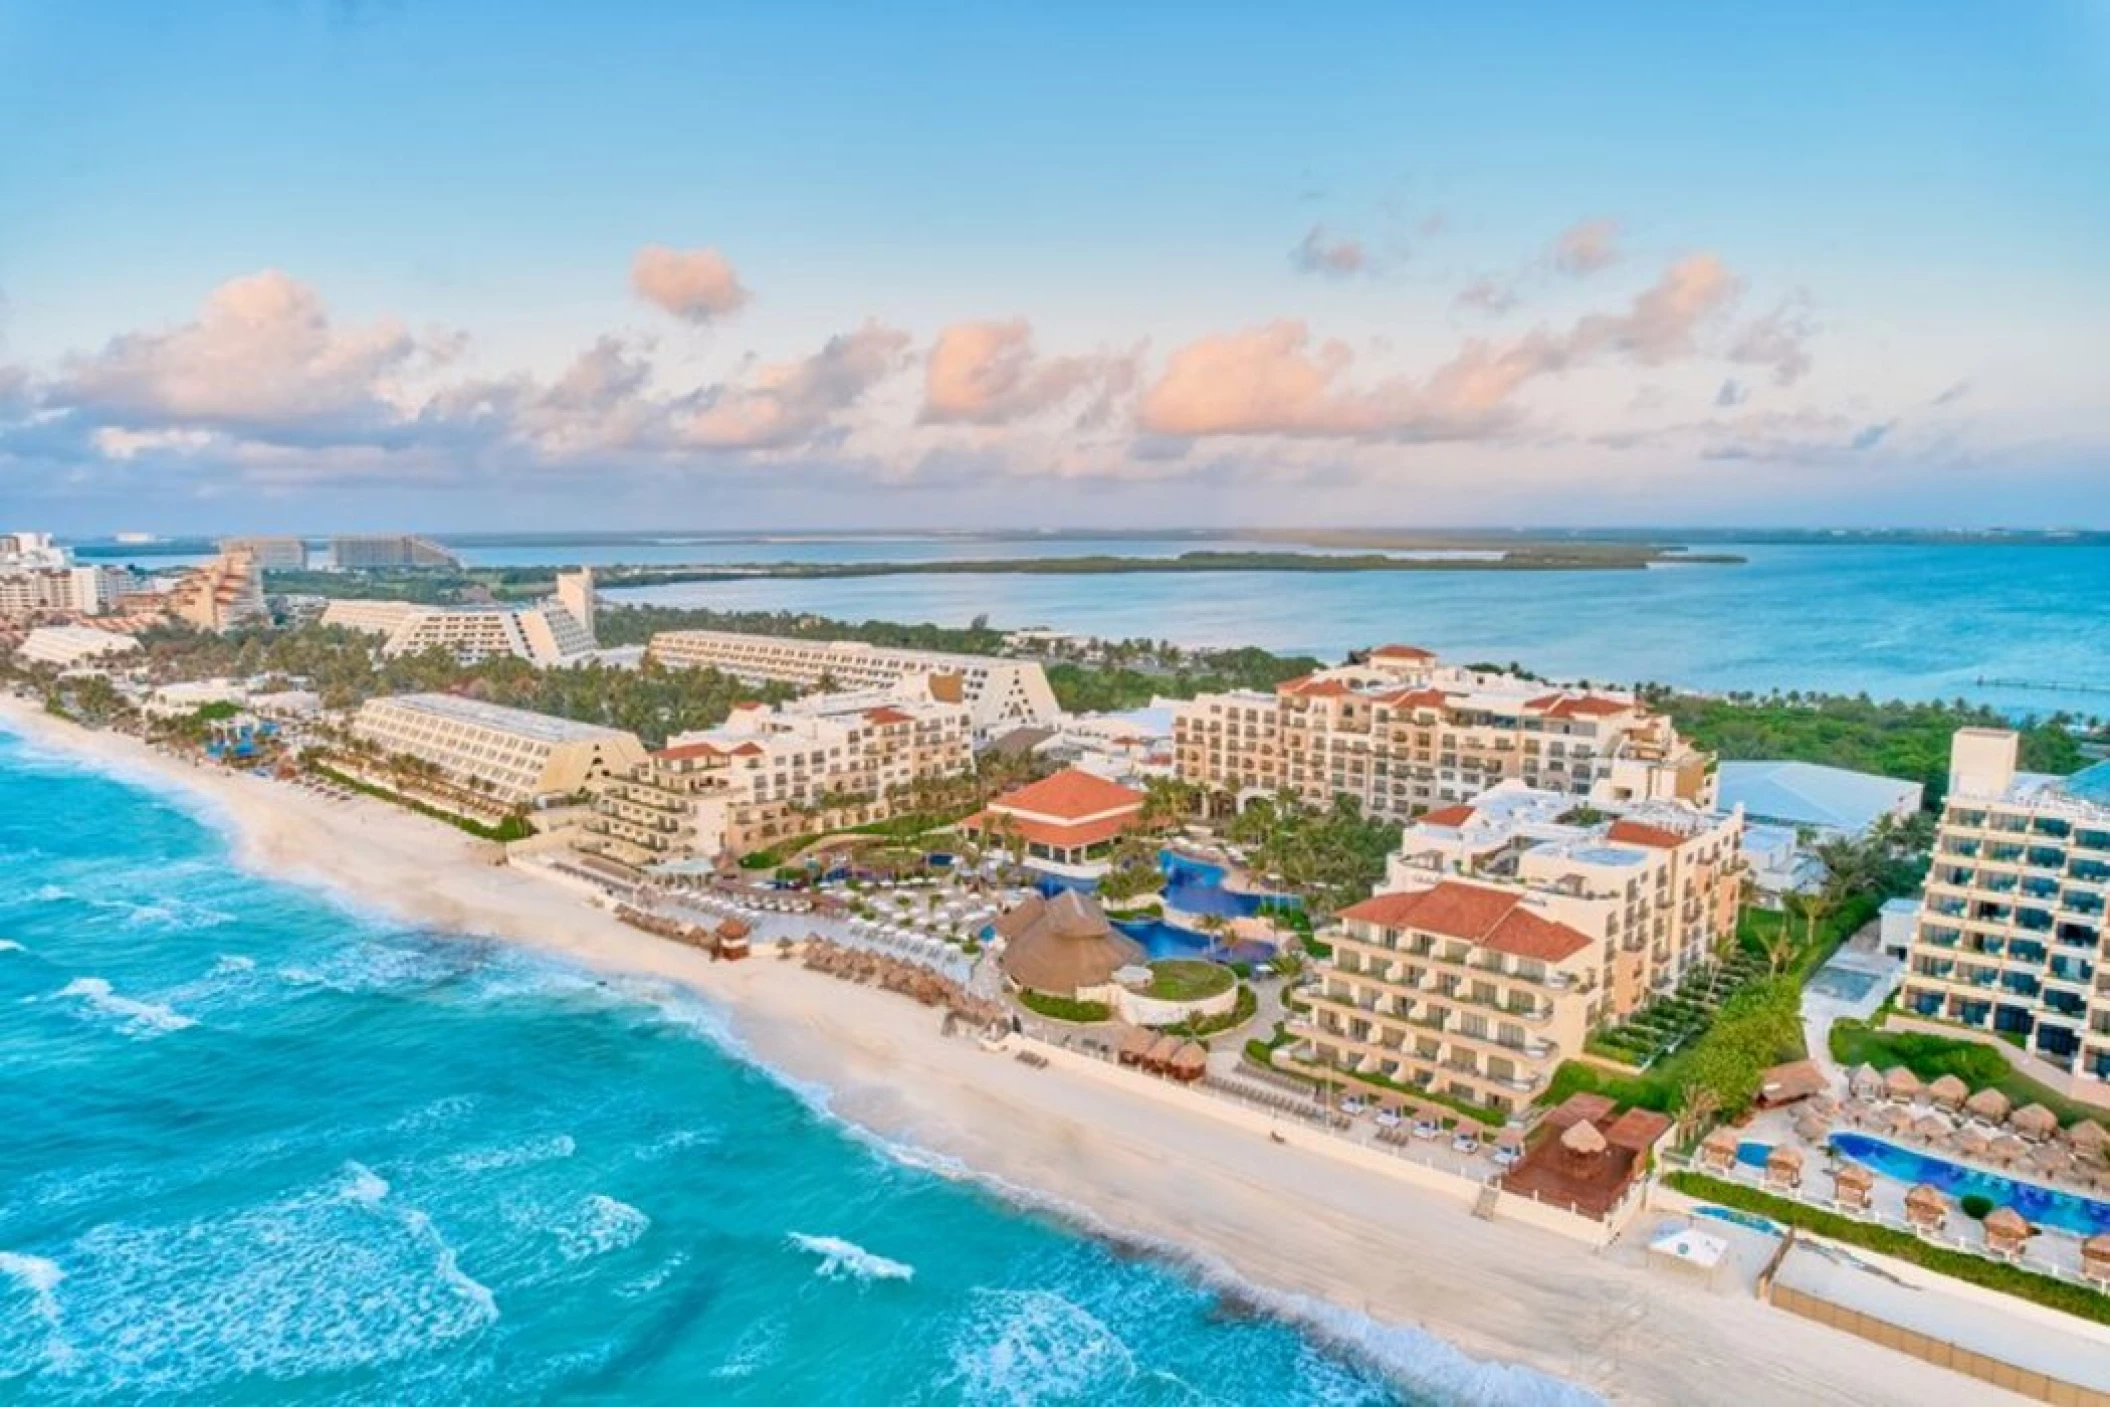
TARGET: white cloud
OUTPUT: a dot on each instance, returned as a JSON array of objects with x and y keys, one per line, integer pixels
[{"x": 695, "y": 285}]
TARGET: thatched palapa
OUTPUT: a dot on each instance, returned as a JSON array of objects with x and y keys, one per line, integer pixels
[{"x": 1065, "y": 946}]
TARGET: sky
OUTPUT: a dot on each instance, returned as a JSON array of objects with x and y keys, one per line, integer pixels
[{"x": 435, "y": 265}]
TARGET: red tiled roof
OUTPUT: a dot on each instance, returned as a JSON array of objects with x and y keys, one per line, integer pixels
[
  {"x": 1416, "y": 698},
  {"x": 1524, "y": 934},
  {"x": 1488, "y": 917},
  {"x": 1048, "y": 833},
  {"x": 1587, "y": 706},
  {"x": 1654, "y": 837},
  {"x": 1313, "y": 687},
  {"x": 1402, "y": 652},
  {"x": 1072, "y": 794},
  {"x": 688, "y": 750},
  {"x": 1453, "y": 816},
  {"x": 884, "y": 715}
]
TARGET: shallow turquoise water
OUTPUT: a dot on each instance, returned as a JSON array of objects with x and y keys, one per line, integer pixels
[
  {"x": 1894, "y": 621},
  {"x": 260, "y": 1147}
]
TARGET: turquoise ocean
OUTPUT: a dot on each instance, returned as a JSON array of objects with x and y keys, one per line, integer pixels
[{"x": 257, "y": 1145}]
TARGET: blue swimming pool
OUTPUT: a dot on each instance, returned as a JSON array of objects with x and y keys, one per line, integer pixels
[
  {"x": 1734, "y": 1217},
  {"x": 2042, "y": 1205},
  {"x": 1197, "y": 887},
  {"x": 1166, "y": 940},
  {"x": 1753, "y": 1155}
]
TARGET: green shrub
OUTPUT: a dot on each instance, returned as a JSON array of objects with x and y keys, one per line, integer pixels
[
  {"x": 1065, "y": 1008},
  {"x": 1976, "y": 1205},
  {"x": 2008, "y": 1279}
]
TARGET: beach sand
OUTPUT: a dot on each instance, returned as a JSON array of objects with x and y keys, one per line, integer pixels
[{"x": 1145, "y": 1163}]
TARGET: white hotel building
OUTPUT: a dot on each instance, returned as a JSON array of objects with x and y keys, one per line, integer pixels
[
  {"x": 999, "y": 694},
  {"x": 551, "y": 632},
  {"x": 515, "y": 756},
  {"x": 2011, "y": 938}
]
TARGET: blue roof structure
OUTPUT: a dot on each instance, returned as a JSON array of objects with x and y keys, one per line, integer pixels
[
  {"x": 2089, "y": 784},
  {"x": 1808, "y": 794}
]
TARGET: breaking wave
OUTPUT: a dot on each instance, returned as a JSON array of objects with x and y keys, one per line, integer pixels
[
  {"x": 846, "y": 1260},
  {"x": 136, "y": 1018}
]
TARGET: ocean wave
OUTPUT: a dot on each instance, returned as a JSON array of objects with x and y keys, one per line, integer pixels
[
  {"x": 231, "y": 963},
  {"x": 674, "y": 1142},
  {"x": 9, "y": 945},
  {"x": 604, "y": 1224},
  {"x": 38, "y": 1279},
  {"x": 514, "y": 1155},
  {"x": 364, "y": 1186},
  {"x": 138, "y": 1018},
  {"x": 842, "y": 1259},
  {"x": 758, "y": 1346},
  {"x": 1021, "y": 1346},
  {"x": 50, "y": 894}
]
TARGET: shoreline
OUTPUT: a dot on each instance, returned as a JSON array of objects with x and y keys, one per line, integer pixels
[{"x": 1469, "y": 1310}]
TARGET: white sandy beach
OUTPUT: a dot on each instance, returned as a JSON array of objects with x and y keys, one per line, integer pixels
[{"x": 1137, "y": 1163}]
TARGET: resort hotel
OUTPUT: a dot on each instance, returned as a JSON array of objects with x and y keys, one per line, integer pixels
[
  {"x": 1401, "y": 732},
  {"x": 771, "y": 774},
  {"x": 509, "y": 754},
  {"x": 74, "y": 646},
  {"x": 553, "y": 632},
  {"x": 2010, "y": 938},
  {"x": 272, "y": 554},
  {"x": 394, "y": 550},
  {"x": 1065, "y": 824},
  {"x": 999, "y": 694},
  {"x": 1508, "y": 929}
]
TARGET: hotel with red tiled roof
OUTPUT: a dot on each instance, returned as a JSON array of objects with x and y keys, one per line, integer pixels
[
  {"x": 1508, "y": 928},
  {"x": 1401, "y": 732},
  {"x": 1065, "y": 823},
  {"x": 767, "y": 774}
]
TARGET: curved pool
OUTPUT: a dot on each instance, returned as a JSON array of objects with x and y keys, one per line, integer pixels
[
  {"x": 1168, "y": 940},
  {"x": 1197, "y": 887},
  {"x": 2065, "y": 1210}
]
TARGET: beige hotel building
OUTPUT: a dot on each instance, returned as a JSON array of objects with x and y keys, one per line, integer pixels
[
  {"x": 516, "y": 757},
  {"x": 771, "y": 774},
  {"x": 1401, "y": 732},
  {"x": 1506, "y": 931}
]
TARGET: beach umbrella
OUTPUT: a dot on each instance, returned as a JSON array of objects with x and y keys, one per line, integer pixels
[
  {"x": 1855, "y": 1111},
  {"x": 1949, "y": 1092},
  {"x": 1973, "y": 1141},
  {"x": 1930, "y": 1127},
  {"x": 1718, "y": 1149},
  {"x": 1865, "y": 1082},
  {"x": 1900, "y": 1083},
  {"x": 2050, "y": 1158},
  {"x": 2005, "y": 1229},
  {"x": 1989, "y": 1104},
  {"x": 2095, "y": 1256},
  {"x": 1894, "y": 1119},
  {"x": 2007, "y": 1149},
  {"x": 1784, "y": 1164},
  {"x": 1824, "y": 1104},
  {"x": 1925, "y": 1206},
  {"x": 2088, "y": 1136},
  {"x": 1811, "y": 1129},
  {"x": 2034, "y": 1121}
]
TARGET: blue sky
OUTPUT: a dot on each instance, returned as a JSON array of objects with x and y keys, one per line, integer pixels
[{"x": 269, "y": 263}]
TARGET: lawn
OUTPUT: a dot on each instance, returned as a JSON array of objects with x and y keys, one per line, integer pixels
[
  {"x": 1187, "y": 980},
  {"x": 1930, "y": 1057}
]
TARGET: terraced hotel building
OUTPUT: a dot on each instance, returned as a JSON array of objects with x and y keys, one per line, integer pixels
[
  {"x": 1401, "y": 732},
  {"x": 2011, "y": 937}
]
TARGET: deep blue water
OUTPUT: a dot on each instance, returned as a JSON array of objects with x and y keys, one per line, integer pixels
[
  {"x": 2042, "y": 1205},
  {"x": 1895, "y": 621},
  {"x": 259, "y": 1147}
]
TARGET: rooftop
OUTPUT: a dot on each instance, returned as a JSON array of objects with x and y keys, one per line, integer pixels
[
  {"x": 1807, "y": 794},
  {"x": 1070, "y": 795},
  {"x": 519, "y": 721}
]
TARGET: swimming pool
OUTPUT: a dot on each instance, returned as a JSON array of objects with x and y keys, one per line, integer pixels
[
  {"x": 1753, "y": 1155},
  {"x": 1846, "y": 983},
  {"x": 2042, "y": 1205},
  {"x": 1168, "y": 940},
  {"x": 1736, "y": 1218},
  {"x": 1197, "y": 887}
]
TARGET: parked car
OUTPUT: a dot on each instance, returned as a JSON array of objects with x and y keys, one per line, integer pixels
[
  {"x": 1353, "y": 1104},
  {"x": 1389, "y": 1119},
  {"x": 1466, "y": 1142},
  {"x": 1428, "y": 1128},
  {"x": 1507, "y": 1156}
]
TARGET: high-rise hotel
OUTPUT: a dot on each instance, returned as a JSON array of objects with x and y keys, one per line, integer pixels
[{"x": 2011, "y": 937}]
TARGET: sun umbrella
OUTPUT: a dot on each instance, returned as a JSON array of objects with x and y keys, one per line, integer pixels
[
  {"x": 1989, "y": 1104},
  {"x": 2034, "y": 1121},
  {"x": 1900, "y": 1083},
  {"x": 1949, "y": 1092}
]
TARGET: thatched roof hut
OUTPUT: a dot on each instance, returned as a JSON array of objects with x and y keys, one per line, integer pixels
[
  {"x": 1811, "y": 1127},
  {"x": 1930, "y": 1127},
  {"x": 2005, "y": 1231},
  {"x": 1894, "y": 1118},
  {"x": 1190, "y": 1062},
  {"x": 1135, "y": 1044},
  {"x": 2088, "y": 1136},
  {"x": 2095, "y": 1256},
  {"x": 1067, "y": 946},
  {"x": 1926, "y": 1207},
  {"x": 1865, "y": 1082},
  {"x": 2034, "y": 1121},
  {"x": 1718, "y": 1149},
  {"x": 1853, "y": 1186},
  {"x": 2007, "y": 1149},
  {"x": 1784, "y": 1165},
  {"x": 1787, "y": 1084},
  {"x": 1583, "y": 1137},
  {"x": 1989, "y": 1104},
  {"x": 1900, "y": 1083},
  {"x": 1949, "y": 1092},
  {"x": 1159, "y": 1056},
  {"x": 1972, "y": 1141}
]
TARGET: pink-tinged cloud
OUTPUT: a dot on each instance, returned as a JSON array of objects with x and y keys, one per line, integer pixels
[
  {"x": 988, "y": 373},
  {"x": 1779, "y": 340},
  {"x": 795, "y": 403},
  {"x": 1487, "y": 295},
  {"x": 262, "y": 353},
  {"x": 1587, "y": 247},
  {"x": 1665, "y": 320},
  {"x": 695, "y": 285},
  {"x": 1330, "y": 255}
]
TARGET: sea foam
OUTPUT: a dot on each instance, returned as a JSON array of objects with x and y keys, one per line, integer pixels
[
  {"x": 138, "y": 1018},
  {"x": 603, "y": 1224},
  {"x": 846, "y": 1260}
]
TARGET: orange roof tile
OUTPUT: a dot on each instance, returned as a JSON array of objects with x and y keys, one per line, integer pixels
[
  {"x": 1587, "y": 706},
  {"x": 1402, "y": 652},
  {"x": 1654, "y": 837},
  {"x": 1636, "y": 1129},
  {"x": 1488, "y": 917},
  {"x": 1524, "y": 934},
  {"x": 688, "y": 750},
  {"x": 1452, "y": 816},
  {"x": 884, "y": 715},
  {"x": 1070, "y": 794}
]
